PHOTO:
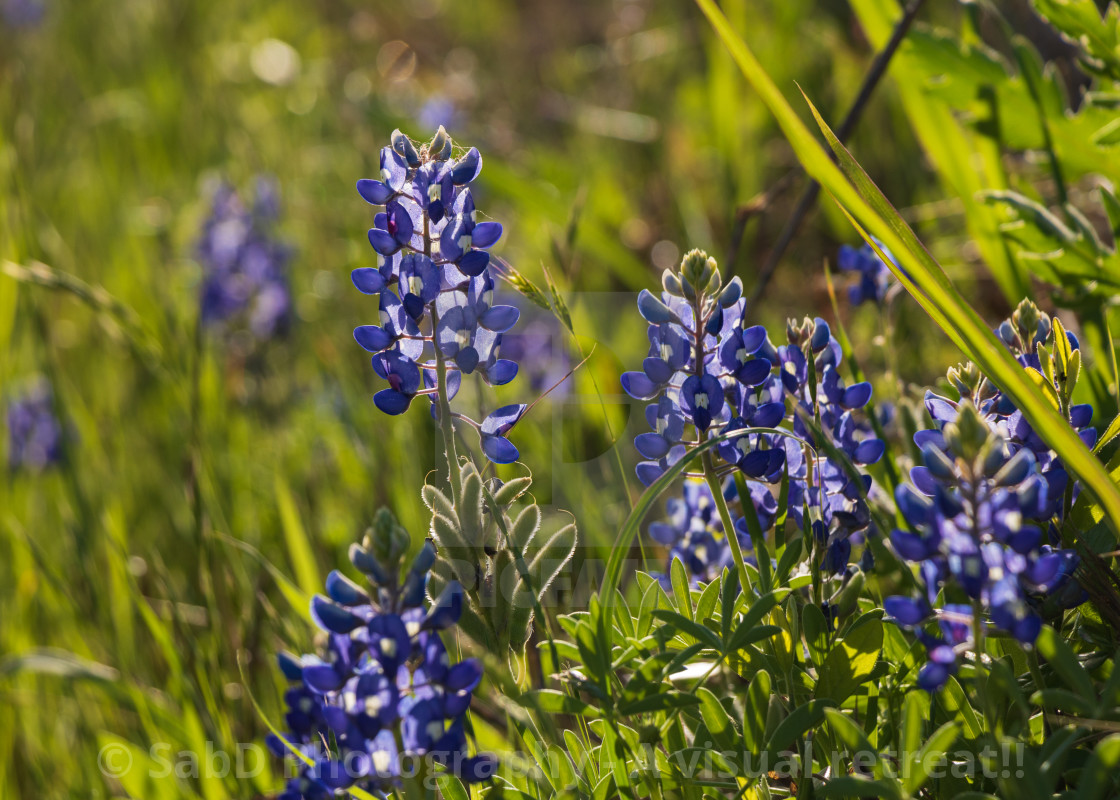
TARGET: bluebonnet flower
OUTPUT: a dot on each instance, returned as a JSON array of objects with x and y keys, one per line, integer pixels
[
  {"x": 538, "y": 348},
  {"x": 438, "y": 319},
  {"x": 35, "y": 437},
  {"x": 874, "y": 274},
  {"x": 708, "y": 373},
  {"x": 977, "y": 514},
  {"x": 384, "y": 690},
  {"x": 694, "y": 533},
  {"x": 23, "y": 13},
  {"x": 245, "y": 281},
  {"x": 1032, "y": 336}
]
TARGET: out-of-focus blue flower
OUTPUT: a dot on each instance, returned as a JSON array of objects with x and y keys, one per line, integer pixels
[
  {"x": 23, "y": 13},
  {"x": 245, "y": 281},
  {"x": 873, "y": 273},
  {"x": 384, "y": 689},
  {"x": 35, "y": 437},
  {"x": 537, "y": 347},
  {"x": 439, "y": 110},
  {"x": 694, "y": 533},
  {"x": 438, "y": 318}
]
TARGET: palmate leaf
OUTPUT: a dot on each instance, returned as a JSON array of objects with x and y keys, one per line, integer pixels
[{"x": 922, "y": 276}]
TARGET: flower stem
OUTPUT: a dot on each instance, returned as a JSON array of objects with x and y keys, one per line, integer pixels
[
  {"x": 443, "y": 405},
  {"x": 725, "y": 517}
]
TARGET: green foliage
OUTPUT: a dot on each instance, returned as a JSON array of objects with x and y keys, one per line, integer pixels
[{"x": 505, "y": 562}]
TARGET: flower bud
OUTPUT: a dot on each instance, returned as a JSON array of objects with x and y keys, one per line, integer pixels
[
  {"x": 672, "y": 284},
  {"x": 731, "y": 293},
  {"x": 404, "y": 148},
  {"x": 439, "y": 143},
  {"x": 695, "y": 268}
]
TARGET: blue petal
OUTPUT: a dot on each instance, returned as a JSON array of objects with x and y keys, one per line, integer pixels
[
  {"x": 768, "y": 415},
  {"x": 331, "y": 617},
  {"x": 939, "y": 408},
  {"x": 651, "y": 445},
  {"x": 653, "y": 310},
  {"x": 754, "y": 372},
  {"x": 447, "y": 608},
  {"x": 933, "y": 676},
  {"x": 753, "y": 338},
  {"x": 756, "y": 463},
  {"x": 382, "y": 242},
  {"x": 499, "y": 421},
  {"x": 906, "y": 610},
  {"x": 322, "y": 678},
  {"x": 663, "y": 533},
  {"x": 499, "y": 449},
  {"x": 392, "y": 402},
  {"x": 648, "y": 472},
  {"x": 467, "y": 359},
  {"x": 290, "y": 666},
  {"x": 909, "y": 545},
  {"x": 485, "y": 234},
  {"x": 500, "y": 318},
  {"x": 1080, "y": 415},
  {"x": 466, "y": 169},
  {"x": 869, "y": 451},
  {"x": 857, "y": 395},
  {"x": 374, "y": 192},
  {"x": 372, "y": 338},
  {"x": 473, "y": 262},
  {"x": 638, "y": 386},
  {"x": 923, "y": 480},
  {"x": 477, "y": 768},
  {"x": 501, "y": 372},
  {"x": 368, "y": 280},
  {"x": 343, "y": 590},
  {"x": 657, "y": 370}
]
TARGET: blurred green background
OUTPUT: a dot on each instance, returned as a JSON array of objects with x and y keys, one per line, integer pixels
[{"x": 208, "y": 487}]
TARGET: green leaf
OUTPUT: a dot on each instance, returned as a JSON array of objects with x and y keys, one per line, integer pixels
[
  {"x": 754, "y": 715},
  {"x": 816, "y": 630},
  {"x": 687, "y": 626},
  {"x": 663, "y": 701},
  {"x": 931, "y": 754},
  {"x": 1098, "y": 774},
  {"x": 707, "y": 602},
  {"x": 913, "y": 714},
  {"x": 789, "y": 558},
  {"x": 1054, "y": 649},
  {"x": 717, "y": 720},
  {"x": 754, "y": 527},
  {"x": 299, "y": 546},
  {"x": 512, "y": 489},
  {"x": 682, "y": 594},
  {"x": 450, "y": 788},
  {"x": 525, "y": 527},
  {"x": 848, "y": 786},
  {"x": 729, "y": 600},
  {"x": 556, "y": 702},
  {"x": 850, "y": 662},
  {"x": 797, "y": 725}
]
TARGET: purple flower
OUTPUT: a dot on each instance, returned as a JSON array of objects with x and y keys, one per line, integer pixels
[
  {"x": 438, "y": 319},
  {"x": 873, "y": 273},
  {"x": 385, "y": 688},
  {"x": 245, "y": 281},
  {"x": 35, "y": 437}
]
